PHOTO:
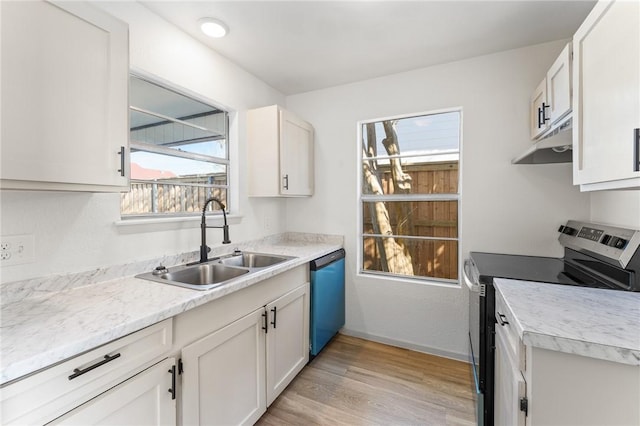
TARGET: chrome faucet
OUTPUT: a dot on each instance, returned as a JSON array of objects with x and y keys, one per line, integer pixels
[{"x": 204, "y": 250}]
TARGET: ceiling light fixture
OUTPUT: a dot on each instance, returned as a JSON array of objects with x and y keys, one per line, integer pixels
[{"x": 213, "y": 27}]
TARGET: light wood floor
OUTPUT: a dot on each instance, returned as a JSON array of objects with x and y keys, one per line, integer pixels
[{"x": 359, "y": 382}]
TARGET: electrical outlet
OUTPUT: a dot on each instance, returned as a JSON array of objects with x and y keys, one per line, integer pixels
[{"x": 16, "y": 249}]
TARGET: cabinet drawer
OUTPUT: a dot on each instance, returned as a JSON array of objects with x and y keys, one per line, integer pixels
[
  {"x": 50, "y": 393},
  {"x": 505, "y": 323}
]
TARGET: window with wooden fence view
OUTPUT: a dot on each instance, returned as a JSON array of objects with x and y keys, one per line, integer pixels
[
  {"x": 179, "y": 152},
  {"x": 409, "y": 196}
]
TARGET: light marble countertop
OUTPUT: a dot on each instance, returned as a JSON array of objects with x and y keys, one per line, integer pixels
[
  {"x": 48, "y": 320},
  {"x": 597, "y": 323}
]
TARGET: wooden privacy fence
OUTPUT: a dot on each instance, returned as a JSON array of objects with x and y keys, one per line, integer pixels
[
  {"x": 169, "y": 197},
  {"x": 436, "y": 219}
]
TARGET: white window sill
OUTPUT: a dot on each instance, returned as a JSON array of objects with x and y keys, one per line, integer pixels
[
  {"x": 174, "y": 222},
  {"x": 408, "y": 280}
]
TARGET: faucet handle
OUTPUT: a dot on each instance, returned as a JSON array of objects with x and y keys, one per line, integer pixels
[
  {"x": 160, "y": 270},
  {"x": 237, "y": 251}
]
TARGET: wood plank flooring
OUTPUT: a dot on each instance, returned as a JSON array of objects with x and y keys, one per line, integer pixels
[{"x": 359, "y": 382}]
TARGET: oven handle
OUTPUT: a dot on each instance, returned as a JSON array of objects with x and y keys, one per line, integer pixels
[{"x": 475, "y": 287}]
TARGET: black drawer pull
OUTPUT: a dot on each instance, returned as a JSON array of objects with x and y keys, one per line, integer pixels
[
  {"x": 502, "y": 319},
  {"x": 78, "y": 372}
]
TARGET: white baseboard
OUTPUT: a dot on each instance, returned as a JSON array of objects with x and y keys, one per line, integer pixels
[{"x": 407, "y": 345}]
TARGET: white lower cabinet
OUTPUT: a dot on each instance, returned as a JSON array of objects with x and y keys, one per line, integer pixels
[
  {"x": 238, "y": 353},
  {"x": 110, "y": 372},
  {"x": 510, "y": 386},
  {"x": 287, "y": 340},
  {"x": 535, "y": 386},
  {"x": 255, "y": 342},
  {"x": 224, "y": 378},
  {"x": 143, "y": 400}
]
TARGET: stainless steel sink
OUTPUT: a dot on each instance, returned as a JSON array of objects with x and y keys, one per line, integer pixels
[
  {"x": 253, "y": 260},
  {"x": 216, "y": 272},
  {"x": 204, "y": 274}
]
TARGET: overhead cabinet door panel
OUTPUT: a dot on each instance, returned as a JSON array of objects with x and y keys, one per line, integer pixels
[{"x": 64, "y": 94}]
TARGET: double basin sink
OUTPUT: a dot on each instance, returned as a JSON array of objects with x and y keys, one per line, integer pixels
[{"x": 216, "y": 272}]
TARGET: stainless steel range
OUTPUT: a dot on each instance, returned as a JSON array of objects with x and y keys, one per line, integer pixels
[{"x": 595, "y": 255}]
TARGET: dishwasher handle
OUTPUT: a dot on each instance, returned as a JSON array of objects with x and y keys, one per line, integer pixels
[{"x": 326, "y": 260}]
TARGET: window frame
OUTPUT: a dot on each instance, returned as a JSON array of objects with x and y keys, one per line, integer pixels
[
  {"x": 362, "y": 198},
  {"x": 231, "y": 196}
]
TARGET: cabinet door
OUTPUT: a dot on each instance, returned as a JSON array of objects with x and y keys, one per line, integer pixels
[
  {"x": 223, "y": 382},
  {"x": 538, "y": 98},
  {"x": 559, "y": 86},
  {"x": 64, "y": 97},
  {"x": 509, "y": 385},
  {"x": 606, "y": 107},
  {"x": 287, "y": 339},
  {"x": 142, "y": 400},
  {"x": 296, "y": 155}
]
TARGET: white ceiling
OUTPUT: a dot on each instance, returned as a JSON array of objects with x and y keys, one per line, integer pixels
[{"x": 299, "y": 46}]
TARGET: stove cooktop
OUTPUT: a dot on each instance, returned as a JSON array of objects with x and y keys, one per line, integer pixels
[{"x": 524, "y": 268}]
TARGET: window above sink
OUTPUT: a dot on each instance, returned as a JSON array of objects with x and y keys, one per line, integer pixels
[{"x": 179, "y": 152}]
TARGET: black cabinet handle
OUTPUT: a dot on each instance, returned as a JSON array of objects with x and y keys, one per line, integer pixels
[
  {"x": 275, "y": 313},
  {"x": 285, "y": 182},
  {"x": 544, "y": 113},
  {"x": 265, "y": 327},
  {"x": 539, "y": 117},
  {"x": 636, "y": 150},
  {"x": 122, "y": 157},
  {"x": 502, "y": 319},
  {"x": 172, "y": 391},
  {"x": 78, "y": 372}
]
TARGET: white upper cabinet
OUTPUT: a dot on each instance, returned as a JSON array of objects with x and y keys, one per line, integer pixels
[
  {"x": 280, "y": 154},
  {"x": 607, "y": 98},
  {"x": 551, "y": 100},
  {"x": 65, "y": 71},
  {"x": 538, "y": 102},
  {"x": 559, "y": 87}
]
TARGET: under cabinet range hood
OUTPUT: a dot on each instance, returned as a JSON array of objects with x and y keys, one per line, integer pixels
[{"x": 553, "y": 148}]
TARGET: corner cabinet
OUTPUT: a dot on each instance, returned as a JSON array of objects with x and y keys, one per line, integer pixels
[
  {"x": 64, "y": 97},
  {"x": 551, "y": 100},
  {"x": 280, "y": 150},
  {"x": 606, "y": 134}
]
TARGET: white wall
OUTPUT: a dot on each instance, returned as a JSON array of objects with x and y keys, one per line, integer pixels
[
  {"x": 505, "y": 208},
  {"x": 77, "y": 232},
  {"x": 618, "y": 208}
]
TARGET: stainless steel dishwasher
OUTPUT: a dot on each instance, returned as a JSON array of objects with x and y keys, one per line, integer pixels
[{"x": 327, "y": 299}]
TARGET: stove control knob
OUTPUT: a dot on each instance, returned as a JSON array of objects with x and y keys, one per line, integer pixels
[
  {"x": 567, "y": 230},
  {"x": 618, "y": 243}
]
